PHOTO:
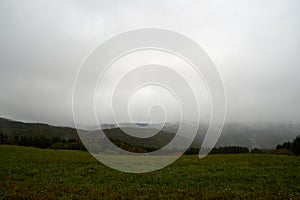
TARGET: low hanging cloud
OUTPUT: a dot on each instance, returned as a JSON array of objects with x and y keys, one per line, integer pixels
[{"x": 254, "y": 45}]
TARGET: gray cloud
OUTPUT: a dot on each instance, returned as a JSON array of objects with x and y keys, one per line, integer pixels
[{"x": 254, "y": 44}]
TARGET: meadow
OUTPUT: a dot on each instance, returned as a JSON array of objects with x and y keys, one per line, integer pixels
[{"x": 31, "y": 173}]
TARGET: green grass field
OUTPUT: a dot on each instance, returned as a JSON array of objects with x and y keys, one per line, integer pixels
[{"x": 30, "y": 173}]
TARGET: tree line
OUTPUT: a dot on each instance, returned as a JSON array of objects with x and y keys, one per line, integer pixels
[
  {"x": 42, "y": 142},
  {"x": 61, "y": 143},
  {"x": 74, "y": 144},
  {"x": 293, "y": 146},
  {"x": 221, "y": 150}
]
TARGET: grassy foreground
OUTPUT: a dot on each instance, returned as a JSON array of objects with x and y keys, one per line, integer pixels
[{"x": 30, "y": 173}]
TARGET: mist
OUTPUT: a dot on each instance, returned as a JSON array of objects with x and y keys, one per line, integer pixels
[{"x": 254, "y": 45}]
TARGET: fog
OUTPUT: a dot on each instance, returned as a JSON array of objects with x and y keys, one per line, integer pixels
[{"x": 254, "y": 45}]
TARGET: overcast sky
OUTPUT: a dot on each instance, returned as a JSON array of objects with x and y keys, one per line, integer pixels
[{"x": 254, "y": 44}]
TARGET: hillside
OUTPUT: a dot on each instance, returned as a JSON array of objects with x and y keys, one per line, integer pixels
[
  {"x": 265, "y": 136},
  {"x": 15, "y": 129}
]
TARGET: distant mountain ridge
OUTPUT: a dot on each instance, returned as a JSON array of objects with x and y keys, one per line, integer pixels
[
  {"x": 265, "y": 136},
  {"x": 18, "y": 129}
]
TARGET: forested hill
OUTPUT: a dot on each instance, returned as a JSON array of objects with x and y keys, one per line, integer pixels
[
  {"x": 22, "y": 133},
  {"x": 265, "y": 136},
  {"x": 14, "y": 128}
]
